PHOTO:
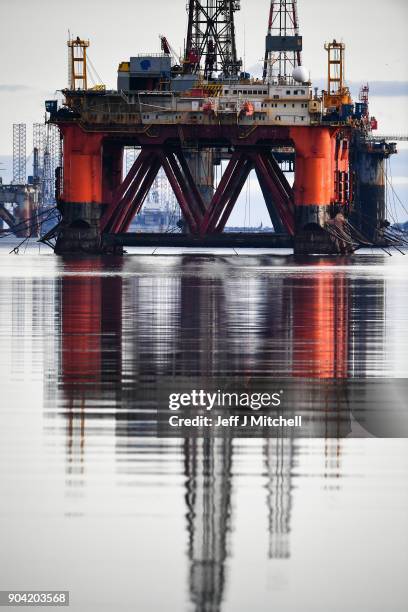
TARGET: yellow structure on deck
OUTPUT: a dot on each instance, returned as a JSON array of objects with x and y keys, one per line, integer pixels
[
  {"x": 77, "y": 62},
  {"x": 337, "y": 93}
]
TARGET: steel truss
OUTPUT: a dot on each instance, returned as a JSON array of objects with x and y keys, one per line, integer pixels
[
  {"x": 211, "y": 37},
  {"x": 128, "y": 199},
  {"x": 283, "y": 26},
  {"x": 19, "y": 153}
]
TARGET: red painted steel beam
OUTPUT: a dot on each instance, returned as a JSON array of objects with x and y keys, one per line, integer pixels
[
  {"x": 272, "y": 182},
  {"x": 189, "y": 195},
  {"x": 237, "y": 182},
  {"x": 278, "y": 177},
  {"x": 207, "y": 135},
  {"x": 122, "y": 190},
  {"x": 129, "y": 197},
  {"x": 281, "y": 180},
  {"x": 180, "y": 195},
  {"x": 120, "y": 213},
  {"x": 137, "y": 203},
  {"x": 285, "y": 204},
  {"x": 219, "y": 195},
  {"x": 125, "y": 205},
  {"x": 228, "y": 193}
]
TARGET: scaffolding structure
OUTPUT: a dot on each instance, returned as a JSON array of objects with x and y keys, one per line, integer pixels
[
  {"x": 47, "y": 158},
  {"x": 160, "y": 200},
  {"x": 39, "y": 141},
  {"x": 161, "y": 195},
  {"x": 131, "y": 154},
  {"x": 19, "y": 154}
]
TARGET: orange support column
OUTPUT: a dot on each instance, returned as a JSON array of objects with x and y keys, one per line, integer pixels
[
  {"x": 316, "y": 188},
  {"x": 82, "y": 195}
]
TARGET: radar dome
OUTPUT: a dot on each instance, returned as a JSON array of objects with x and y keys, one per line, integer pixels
[{"x": 300, "y": 74}]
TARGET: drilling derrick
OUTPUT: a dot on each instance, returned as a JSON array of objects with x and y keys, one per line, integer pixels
[
  {"x": 39, "y": 140},
  {"x": 186, "y": 116},
  {"x": 19, "y": 154},
  {"x": 211, "y": 42},
  {"x": 283, "y": 44},
  {"x": 21, "y": 194},
  {"x": 210, "y": 50}
]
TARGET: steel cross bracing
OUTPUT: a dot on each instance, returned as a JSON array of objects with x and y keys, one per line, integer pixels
[
  {"x": 128, "y": 199},
  {"x": 284, "y": 25},
  {"x": 211, "y": 38}
]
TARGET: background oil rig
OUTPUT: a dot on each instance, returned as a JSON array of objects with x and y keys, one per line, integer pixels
[
  {"x": 185, "y": 116},
  {"x": 28, "y": 203}
]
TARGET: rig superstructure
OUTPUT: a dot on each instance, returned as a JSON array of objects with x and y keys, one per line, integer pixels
[{"x": 188, "y": 114}]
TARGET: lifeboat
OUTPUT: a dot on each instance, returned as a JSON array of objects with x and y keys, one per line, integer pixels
[
  {"x": 209, "y": 107},
  {"x": 247, "y": 109}
]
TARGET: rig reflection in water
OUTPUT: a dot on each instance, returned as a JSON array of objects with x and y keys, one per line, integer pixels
[{"x": 128, "y": 327}]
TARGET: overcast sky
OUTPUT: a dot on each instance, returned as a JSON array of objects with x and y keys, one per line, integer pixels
[
  {"x": 34, "y": 54},
  {"x": 33, "y": 36}
]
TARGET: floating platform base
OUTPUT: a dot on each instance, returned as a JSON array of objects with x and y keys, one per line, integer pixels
[{"x": 113, "y": 242}]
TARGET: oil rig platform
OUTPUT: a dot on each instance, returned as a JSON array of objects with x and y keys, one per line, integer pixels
[
  {"x": 187, "y": 114},
  {"x": 27, "y": 204}
]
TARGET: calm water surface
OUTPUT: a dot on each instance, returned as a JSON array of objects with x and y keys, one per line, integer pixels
[{"x": 92, "y": 501}]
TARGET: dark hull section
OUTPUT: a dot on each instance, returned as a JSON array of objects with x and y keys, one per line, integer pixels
[
  {"x": 226, "y": 240},
  {"x": 79, "y": 231},
  {"x": 369, "y": 211},
  {"x": 317, "y": 232},
  {"x": 373, "y": 211}
]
